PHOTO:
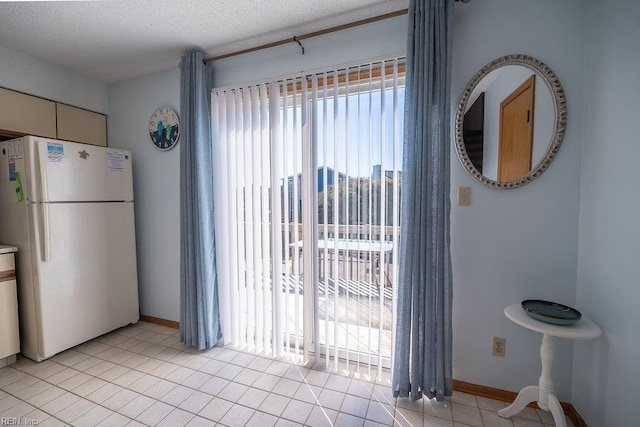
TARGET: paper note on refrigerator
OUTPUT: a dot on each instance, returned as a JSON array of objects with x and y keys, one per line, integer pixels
[
  {"x": 55, "y": 153},
  {"x": 15, "y": 149},
  {"x": 115, "y": 161}
]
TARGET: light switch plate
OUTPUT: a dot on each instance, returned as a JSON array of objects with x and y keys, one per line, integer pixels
[{"x": 464, "y": 196}]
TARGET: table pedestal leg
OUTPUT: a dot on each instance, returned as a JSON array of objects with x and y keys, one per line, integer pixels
[
  {"x": 527, "y": 395},
  {"x": 543, "y": 393},
  {"x": 556, "y": 411}
]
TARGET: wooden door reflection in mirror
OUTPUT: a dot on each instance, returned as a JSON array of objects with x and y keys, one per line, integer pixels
[{"x": 516, "y": 132}]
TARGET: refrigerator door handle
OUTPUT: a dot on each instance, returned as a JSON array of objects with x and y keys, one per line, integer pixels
[
  {"x": 42, "y": 170},
  {"x": 46, "y": 236},
  {"x": 39, "y": 175}
]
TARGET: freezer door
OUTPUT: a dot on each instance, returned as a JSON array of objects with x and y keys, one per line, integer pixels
[
  {"x": 15, "y": 230},
  {"x": 61, "y": 171},
  {"x": 88, "y": 286}
]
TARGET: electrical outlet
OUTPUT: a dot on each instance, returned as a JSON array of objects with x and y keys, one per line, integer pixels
[
  {"x": 498, "y": 346},
  {"x": 464, "y": 196}
]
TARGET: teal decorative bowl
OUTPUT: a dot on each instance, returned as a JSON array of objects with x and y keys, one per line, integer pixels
[{"x": 551, "y": 312}]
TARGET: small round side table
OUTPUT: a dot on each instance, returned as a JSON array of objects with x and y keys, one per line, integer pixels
[{"x": 544, "y": 393}]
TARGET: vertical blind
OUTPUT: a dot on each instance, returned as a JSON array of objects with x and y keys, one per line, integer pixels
[{"x": 307, "y": 188}]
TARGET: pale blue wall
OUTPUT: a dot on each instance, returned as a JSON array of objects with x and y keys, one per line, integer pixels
[
  {"x": 24, "y": 73},
  {"x": 606, "y": 372},
  {"x": 510, "y": 245},
  {"x": 156, "y": 184}
]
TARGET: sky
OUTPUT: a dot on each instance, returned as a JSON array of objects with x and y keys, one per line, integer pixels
[{"x": 352, "y": 142}]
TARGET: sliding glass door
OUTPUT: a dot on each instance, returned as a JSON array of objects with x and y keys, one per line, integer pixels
[
  {"x": 359, "y": 181},
  {"x": 310, "y": 171}
]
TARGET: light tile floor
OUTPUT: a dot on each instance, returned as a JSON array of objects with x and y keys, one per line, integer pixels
[{"x": 142, "y": 376}]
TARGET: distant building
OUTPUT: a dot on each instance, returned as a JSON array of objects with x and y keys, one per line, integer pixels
[
  {"x": 331, "y": 176},
  {"x": 376, "y": 174},
  {"x": 361, "y": 182}
]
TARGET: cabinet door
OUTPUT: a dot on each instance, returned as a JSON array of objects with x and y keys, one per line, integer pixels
[
  {"x": 9, "y": 336},
  {"x": 78, "y": 125},
  {"x": 26, "y": 114}
]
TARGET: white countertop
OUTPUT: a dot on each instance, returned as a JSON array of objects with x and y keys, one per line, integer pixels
[{"x": 7, "y": 249}]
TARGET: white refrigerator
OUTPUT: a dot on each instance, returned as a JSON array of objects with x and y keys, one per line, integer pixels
[{"x": 68, "y": 208}]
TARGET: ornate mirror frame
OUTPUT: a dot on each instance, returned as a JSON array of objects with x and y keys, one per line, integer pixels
[{"x": 560, "y": 123}]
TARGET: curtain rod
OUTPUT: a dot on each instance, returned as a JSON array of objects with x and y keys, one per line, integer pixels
[{"x": 296, "y": 39}]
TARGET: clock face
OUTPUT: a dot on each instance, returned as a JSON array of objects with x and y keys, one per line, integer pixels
[{"x": 164, "y": 128}]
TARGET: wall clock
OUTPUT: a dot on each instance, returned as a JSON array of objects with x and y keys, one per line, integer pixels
[{"x": 164, "y": 128}]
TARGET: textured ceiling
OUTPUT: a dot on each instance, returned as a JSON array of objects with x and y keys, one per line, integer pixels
[{"x": 116, "y": 40}]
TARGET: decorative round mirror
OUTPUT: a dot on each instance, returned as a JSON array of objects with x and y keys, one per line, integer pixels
[{"x": 510, "y": 121}]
